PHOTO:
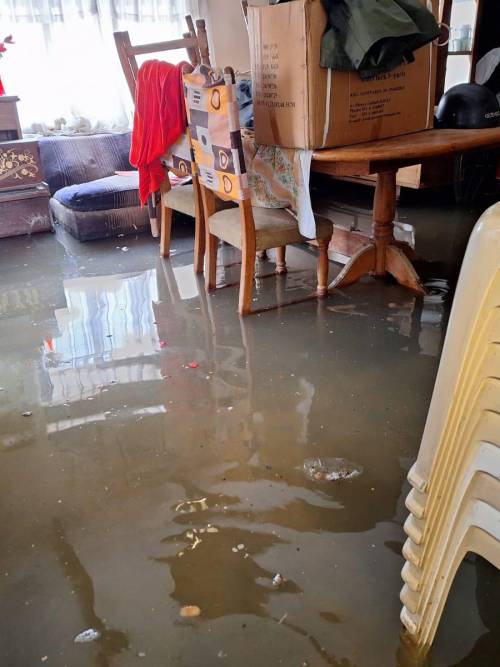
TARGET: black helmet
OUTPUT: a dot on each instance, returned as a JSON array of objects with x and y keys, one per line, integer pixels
[{"x": 468, "y": 106}]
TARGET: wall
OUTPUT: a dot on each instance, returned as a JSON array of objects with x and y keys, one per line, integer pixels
[{"x": 228, "y": 34}]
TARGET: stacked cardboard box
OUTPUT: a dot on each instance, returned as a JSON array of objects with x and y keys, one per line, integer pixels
[{"x": 298, "y": 104}]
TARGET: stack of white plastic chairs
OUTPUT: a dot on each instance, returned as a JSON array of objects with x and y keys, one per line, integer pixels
[{"x": 455, "y": 500}]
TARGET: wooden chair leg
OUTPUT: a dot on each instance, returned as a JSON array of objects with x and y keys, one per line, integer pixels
[
  {"x": 166, "y": 227},
  {"x": 281, "y": 260},
  {"x": 153, "y": 220},
  {"x": 199, "y": 242},
  {"x": 322, "y": 268},
  {"x": 211, "y": 259},
  {"x": 246, "y": 280}
]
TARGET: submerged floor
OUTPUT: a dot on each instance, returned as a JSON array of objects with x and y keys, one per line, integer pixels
[{"x": 135, "y": 484}]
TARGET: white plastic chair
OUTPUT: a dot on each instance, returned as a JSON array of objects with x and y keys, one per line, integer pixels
[
  {"x": 477, "y": 530},
  {"x": 461, "y": 436}
]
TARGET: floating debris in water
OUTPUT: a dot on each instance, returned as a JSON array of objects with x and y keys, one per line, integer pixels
[
  {"x": 195, "y": 543},
  {"x": 189, "y": 506},
  {"x": 28, "y": 413},
  {"x": 44, "y": 658},
  {"x": 283, "y": 618},
  {"x": 221, "y": 654},
  {"x": 87, "y": 636},
  {"x": 240, "y": 547},
  {"x": 141, "y": 654},
  {"x": 190, "y": 611},
  {"x": 125, "y": 249},
  {"x": 193, "y": 364},
  {"x": 331, "y": 469},
  {"x": 278, "y": 580},
  {"x": 437, "y": 290}
]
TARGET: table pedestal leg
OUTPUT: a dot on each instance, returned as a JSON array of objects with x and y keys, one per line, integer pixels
[
  {"x": 360, "y": 263},
  {"x": 400, "y": 267},
  {"x": 383, "y": 254}
]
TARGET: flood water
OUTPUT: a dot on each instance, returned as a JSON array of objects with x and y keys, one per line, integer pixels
[{"x": 160, "y": 460}]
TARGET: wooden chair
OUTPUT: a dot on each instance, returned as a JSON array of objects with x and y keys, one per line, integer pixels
[
  {"x": 194, "y": 41},
  {"x": 214, "y": 130},
  {"x": 188, "y": 201},
  {"x": 461, "y": 437},
  {"x": 185, "y": 199}
]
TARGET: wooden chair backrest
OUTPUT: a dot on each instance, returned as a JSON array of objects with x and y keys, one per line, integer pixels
[
  {"x": 195, "y": 42},
  {"x": 178, "y": 158},
  {"x": 214, "y": 129}
]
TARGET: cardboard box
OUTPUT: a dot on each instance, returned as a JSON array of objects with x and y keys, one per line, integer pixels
[{"x": 290, "y": 88}]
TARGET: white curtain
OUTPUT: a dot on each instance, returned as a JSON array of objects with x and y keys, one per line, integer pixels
[{"x": 64, "y": 65}]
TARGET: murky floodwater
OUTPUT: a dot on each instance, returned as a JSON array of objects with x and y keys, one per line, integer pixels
[{"x": 161, "y": 469}]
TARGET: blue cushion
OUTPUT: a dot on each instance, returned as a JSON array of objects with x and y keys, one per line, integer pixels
[
  {"x": 101, "y": 195},
  {"x": 70, "y": 160}
]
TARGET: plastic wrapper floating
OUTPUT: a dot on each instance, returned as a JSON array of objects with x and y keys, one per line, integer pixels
[{"x": 330, "y": 469}]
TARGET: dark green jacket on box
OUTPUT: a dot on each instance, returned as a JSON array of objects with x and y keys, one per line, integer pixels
[{"x": 375, "y": 36}]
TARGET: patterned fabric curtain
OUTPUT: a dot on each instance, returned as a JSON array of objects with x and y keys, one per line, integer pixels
[
  {"x": 64, "y": 64},
  {"x": 46, "y": 11},
  {"x": 49, "y": 11},
  {"x": 143, "y": 11}
]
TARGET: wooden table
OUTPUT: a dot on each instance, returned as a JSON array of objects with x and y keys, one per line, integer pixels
[{"x": 383, "y": 254}]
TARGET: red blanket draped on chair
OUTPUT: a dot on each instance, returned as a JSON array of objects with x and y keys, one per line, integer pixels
[{"x": 159, "y": 120}]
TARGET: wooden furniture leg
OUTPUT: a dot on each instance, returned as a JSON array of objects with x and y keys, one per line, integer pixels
[
  {"x": 153, "y": 220},
  {"x": 166, "y": 221},
  {"x": 400, "y": 267},
  {"x": 199, "y": 230},
  {"x": 166, "y": 226},
  {"x": 281, "y": 260},
  {"x": 211, "y": 241},
  {"x": 248, "y": 255},
  {"x": 322, "y": 269},
  {"x": 360, "y": 263},
  {"x": 246, "y": 281},
  {"x": 383, "y": 254},
  {"x": 211, "y": 259}
]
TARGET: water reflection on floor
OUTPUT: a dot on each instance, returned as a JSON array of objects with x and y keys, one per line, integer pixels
[{"x": 163, "y": 462}]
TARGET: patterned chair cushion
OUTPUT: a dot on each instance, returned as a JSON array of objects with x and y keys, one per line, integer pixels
[
  {"x": 274, "y": 227},
  {"x": 181, "y": 198},
  {"x": 214, "y": 127},
  {"x": 113, "y": 192}
]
